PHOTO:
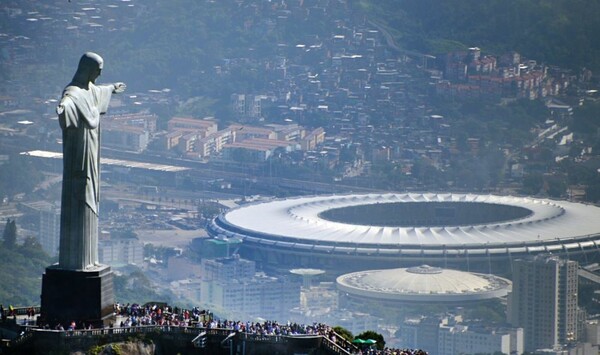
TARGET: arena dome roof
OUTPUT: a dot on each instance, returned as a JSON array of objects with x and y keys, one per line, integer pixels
[
  {"x": 423, "y": 284},
  {"x": 415, "y": 224}
]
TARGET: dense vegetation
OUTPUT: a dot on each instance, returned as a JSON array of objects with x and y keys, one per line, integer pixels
[
  {"x": 561, "y": 32},
  {"x": 22, "y": 267},
  {"x": 180, "y": 44},
  {"x": 184, "y": 49},
  {"x": 23, "y": 264}
]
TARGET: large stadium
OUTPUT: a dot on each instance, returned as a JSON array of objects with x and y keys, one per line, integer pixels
[{"x": 365, "y": 231}]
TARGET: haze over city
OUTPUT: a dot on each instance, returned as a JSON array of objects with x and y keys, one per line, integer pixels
[{"x": 418, "y": 174}]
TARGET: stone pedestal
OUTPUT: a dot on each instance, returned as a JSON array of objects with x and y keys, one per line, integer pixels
[{"x": 80, "y": 296}]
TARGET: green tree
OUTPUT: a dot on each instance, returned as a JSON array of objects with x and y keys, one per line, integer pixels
[
  {"x": 490, "y": 311},
  {"x": 159, "y": 252},
  {"x": 369, "y": 334},
  {"x": 585, "y": 118},
  {"x": 198, "y": 107},
  {"x": 10, "y": 234},
  {"x": 343, "y": 332},
  {"x": 557, "y": 186},
  {"x": 125, "y": 233},
  {"x": 532, "y": 184},
  {"x": 586, "y": 298},
  {"x": 20, "y": 273},
  {"x": 578, "y": 173},
  {"x": 209, "y": 209},
  {"x": 550, "y": 32},
  {"x": 592, "y": 193}
]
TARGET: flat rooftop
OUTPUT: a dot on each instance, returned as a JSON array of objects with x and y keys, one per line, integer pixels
[{"x": 113, "y": 162}]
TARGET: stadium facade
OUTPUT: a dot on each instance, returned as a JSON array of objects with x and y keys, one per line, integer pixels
[{"x": 370, "y": 231}]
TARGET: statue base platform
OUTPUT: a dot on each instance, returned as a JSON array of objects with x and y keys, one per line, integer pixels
[{"x": 77, "y": 295}]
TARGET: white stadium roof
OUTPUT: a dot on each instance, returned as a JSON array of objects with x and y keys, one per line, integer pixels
[
  {"x": 298, "y": 223},
  {"x": 423, "y": 284}
]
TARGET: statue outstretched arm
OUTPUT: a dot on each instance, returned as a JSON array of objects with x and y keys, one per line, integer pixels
[{"x": 119, "y": 87}]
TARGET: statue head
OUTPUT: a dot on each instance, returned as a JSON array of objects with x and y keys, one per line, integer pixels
[{"x": 90, "y": 67}]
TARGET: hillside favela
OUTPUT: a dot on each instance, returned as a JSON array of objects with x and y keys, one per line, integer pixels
[{"x": 300, "y": 177}]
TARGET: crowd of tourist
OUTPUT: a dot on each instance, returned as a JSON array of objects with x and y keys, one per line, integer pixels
[
  {"x": 134, "y": 315},
  {"x": 390, "y": 351},
  {"x": 148, "y": 314},
  {"x": 153, "y": 314}
]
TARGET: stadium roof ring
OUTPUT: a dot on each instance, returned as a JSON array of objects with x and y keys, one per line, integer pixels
[{"x": 418, "y": 227}]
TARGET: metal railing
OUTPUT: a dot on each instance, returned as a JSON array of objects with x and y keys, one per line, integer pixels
[
  {"x": 21, "y": 311},
  {"x": 334, "y": 346},
  {"x": 132, "y": 330},
  {"x": 340, "y": 346},
  {"x": 120, "y": 333}
]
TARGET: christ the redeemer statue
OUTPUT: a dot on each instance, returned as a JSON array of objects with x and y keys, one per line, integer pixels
[{"x": 79, "y": 112}]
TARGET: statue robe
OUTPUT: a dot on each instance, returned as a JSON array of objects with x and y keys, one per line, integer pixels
[{"x": 80, "y": 123}]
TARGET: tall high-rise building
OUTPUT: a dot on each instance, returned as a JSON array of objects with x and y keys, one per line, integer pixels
[
  {"x": 49, "y": 226},
  {"x": 544, "y": 301},
  {"x": 449, "y": 335},
  {"x": 120, "y": 250},
  {"x": 233, "y": 284},
  {"x": 49, "y": 236}
]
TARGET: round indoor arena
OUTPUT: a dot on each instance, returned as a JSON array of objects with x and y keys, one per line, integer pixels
[{"x": 421, "y": 285}]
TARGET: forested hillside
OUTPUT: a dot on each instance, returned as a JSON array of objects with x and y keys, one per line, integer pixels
[
  {"x": 23, "y": 263},
  {"x": 559, "y": 32},
  {"x": 180, "y": 44},
  {"x": 22, "y": 266}
]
